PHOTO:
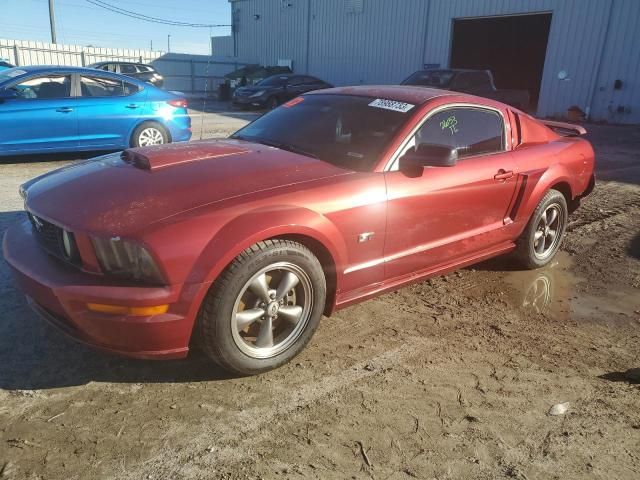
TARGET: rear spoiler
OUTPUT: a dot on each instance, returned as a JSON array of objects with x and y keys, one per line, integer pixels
[{"x": 564, "y": 129}]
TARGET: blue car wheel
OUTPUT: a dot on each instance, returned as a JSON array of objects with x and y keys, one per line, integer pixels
[{"x": 148, "y": 134}]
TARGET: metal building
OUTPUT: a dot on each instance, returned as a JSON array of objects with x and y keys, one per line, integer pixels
[{"x": 583, "y": 53}]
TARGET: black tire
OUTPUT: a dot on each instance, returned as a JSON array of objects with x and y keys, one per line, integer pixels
[
  {"x": 272, "y": 103},
  {"x": 136, "y": 140},
  {"x": 527, "y": 251},
  {"x": 217, "y": 318}
]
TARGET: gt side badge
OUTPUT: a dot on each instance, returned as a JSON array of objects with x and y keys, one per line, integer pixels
[
  {"x": 391, "y": 105},
  {"x": 365, "y": 237}
]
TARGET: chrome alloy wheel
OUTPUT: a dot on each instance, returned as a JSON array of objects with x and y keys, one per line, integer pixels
[
  {"x": 548, "y": 231},
  {"x": 272, "y": 310},
  {"x": 150, "y": 136}
]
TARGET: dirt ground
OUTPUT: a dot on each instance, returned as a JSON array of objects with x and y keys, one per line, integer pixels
[{"x": 448, "y": 379}]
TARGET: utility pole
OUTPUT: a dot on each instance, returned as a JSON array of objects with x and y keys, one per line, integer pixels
[
  {"x": 168, "y": 43},
  {"x": 152, "y": 45},
  {"x": 52, "y": 21}
]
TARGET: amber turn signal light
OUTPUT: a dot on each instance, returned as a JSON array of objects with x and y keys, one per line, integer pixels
[{"x": 123, "y": 310}]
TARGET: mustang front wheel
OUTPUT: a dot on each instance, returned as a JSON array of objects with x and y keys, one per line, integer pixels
[
  {"x": 264, "y": 308},
  {"x": 540, "y": 241}
]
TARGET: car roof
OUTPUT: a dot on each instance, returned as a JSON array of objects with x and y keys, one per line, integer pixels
[
  {"x": 452, "y": 70},
  {"x": 120, "y": 62},
  {"x": 44, "y": 69},
  {"x": 57, "y": 68},
  {"x": 400, "y": 93}
]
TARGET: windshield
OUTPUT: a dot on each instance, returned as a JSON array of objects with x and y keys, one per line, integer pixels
[
  {"x": 347, "y": 131},
  {"x": 10, "y": 74},
  {"x": 273, "y": 81},
  {"x": 430, "y": 78}
]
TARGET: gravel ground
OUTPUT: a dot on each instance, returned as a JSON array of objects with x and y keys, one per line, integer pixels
[{"x": 447, "y": 379}]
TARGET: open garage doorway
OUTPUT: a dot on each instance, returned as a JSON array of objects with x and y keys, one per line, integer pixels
[{"x": 513, "y": 47}]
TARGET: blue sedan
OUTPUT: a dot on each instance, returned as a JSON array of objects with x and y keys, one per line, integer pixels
[{"x": 58, "y": 109}]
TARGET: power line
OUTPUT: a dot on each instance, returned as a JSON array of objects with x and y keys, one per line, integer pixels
[{"x": 147, "y": 18}]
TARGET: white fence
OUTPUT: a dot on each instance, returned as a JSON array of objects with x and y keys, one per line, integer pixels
[{"x": 193, "y": 74}]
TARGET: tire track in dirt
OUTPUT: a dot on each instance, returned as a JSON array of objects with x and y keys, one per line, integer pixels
[{"x": 246, "y": 427}]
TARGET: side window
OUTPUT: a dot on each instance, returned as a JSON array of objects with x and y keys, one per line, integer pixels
[
  {"x": 462, "y": 82},
  {"x": 130, "y": 88},
  {"x": 127, "y": 68},
  {"x": 50, "y": 86},
  {"x": 104, "y": 87},
  {"x": 479, "y": 80},
  {"x": 108, "y": 67},
  {"x": 472, "y": 131}
]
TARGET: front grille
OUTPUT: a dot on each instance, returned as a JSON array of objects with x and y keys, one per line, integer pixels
[{"x": 49, "y": 236}]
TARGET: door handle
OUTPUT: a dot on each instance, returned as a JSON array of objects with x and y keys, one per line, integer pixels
[
  {"x": 133, "y": 105},
  {"x": 64, "y": 110},
  {"x": 503, "y": 174}
]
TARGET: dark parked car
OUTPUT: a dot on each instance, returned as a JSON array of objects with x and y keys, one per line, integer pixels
[
  {"x": 475, "y": 82},
  {"x": 141, "y": 71},
  {"x": 335, "y": 197},
  {"x": 277, "y": 89}
]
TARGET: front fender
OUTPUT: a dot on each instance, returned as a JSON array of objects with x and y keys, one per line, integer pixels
[{"x": 261, "y": 224}]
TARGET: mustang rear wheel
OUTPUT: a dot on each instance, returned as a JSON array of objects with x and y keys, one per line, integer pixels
[
  {"x": 264, "y": 308},
  {"x": 540, "y": 241}
]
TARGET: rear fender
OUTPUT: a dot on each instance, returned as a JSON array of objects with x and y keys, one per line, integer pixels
[{"x": 538, "y": 183}]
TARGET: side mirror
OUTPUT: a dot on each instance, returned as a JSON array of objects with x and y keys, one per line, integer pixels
[
  {"x": 7, "y": 93},
  {"x": 428, "y": 155}
]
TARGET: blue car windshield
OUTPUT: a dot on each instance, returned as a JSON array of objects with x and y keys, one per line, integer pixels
[{"x": 10, "y": 74}]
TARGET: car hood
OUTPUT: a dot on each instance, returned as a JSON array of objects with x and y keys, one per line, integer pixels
[{"x": 122, "y": 193}]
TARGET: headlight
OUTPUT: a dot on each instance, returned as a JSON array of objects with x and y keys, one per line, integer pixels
[
  {"x": 126, "y": 259},
  {"x": 259, "y": 93},
  {"x": 69, "y": 247}
]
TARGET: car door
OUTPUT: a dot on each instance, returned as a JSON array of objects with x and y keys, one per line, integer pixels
[
  {"x": 295, "y": 87},
  {"x": 42, "y": 117},
  {"x": 448, "y": 214},
  {"x": 109, "y": 108}
]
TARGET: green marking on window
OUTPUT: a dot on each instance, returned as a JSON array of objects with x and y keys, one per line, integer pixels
[{"x": 450, "y": 123}]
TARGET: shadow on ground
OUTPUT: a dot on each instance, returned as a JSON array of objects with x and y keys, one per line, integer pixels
[
  {"x": 630, "y": 376},
  {"x": 34, "y": 355}
]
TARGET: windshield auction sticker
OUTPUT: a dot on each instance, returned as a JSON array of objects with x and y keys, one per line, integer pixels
[{"x": 391, "y": 105}]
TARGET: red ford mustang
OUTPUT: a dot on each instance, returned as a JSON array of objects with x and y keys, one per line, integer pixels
[{"x": 333, "y": 198}]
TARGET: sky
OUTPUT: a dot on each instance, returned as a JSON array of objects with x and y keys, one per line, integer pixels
[{"x": 81, "y": 23}]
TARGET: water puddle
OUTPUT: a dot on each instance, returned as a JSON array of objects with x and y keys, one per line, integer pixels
[{"x": 556, "y": 291}]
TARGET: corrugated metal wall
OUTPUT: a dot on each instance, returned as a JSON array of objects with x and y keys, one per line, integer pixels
[
  {"x": 594, "y": 41},
  {"x": 620, "y": 61},
  {"x": 270, "y": 30},
  {"x": 382, "y": 44}
]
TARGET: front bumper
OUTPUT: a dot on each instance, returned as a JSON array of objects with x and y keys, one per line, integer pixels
[
  {"x": 60, "y": 293},
  {"x": 249, "y": 101}
]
